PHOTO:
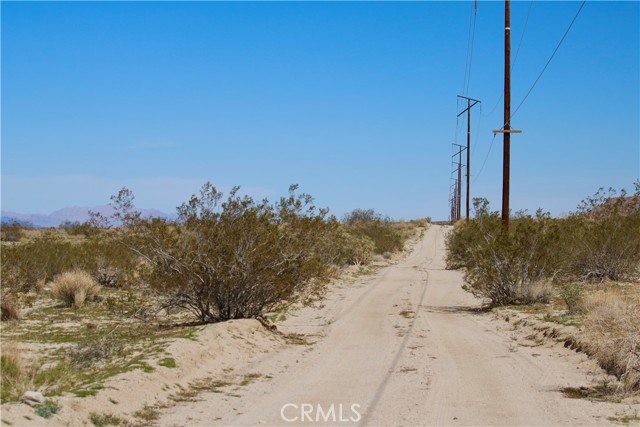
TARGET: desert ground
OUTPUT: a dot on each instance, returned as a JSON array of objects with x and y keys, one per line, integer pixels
[{"x": 402, "y": 345}]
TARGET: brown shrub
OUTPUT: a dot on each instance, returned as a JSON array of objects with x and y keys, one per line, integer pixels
[
  {"x": 73, "y": 288},
  {"x": 9, "y": 309},
  {"x": 538, "y": 292},
  {"x": 612, "y": 328},
  {"x": 94, "y": 351},
  {"x": 14, "y": 381}
]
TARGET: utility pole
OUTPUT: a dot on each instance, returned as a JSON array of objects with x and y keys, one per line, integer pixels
[
  {"x": 468, "y": 111},
  {"x": 457, "y": 188},
  {"x": 506, "y": 130},
  {"x": 506, "y": 155}
]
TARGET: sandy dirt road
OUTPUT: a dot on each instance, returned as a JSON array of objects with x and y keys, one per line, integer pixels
[{"x": 404, "y": 347}]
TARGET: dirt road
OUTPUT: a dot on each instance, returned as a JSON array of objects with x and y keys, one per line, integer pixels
[{"x": 403, "y": 347}]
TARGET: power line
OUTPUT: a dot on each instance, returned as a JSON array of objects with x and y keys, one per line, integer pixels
[
  {"x": 515, "y": 60},
  {"x": 524, "y": 30},
  {"x": 485, "y": 158},
  {"x": 548, "y": 61},
  {"x": 470, "y": 43}
]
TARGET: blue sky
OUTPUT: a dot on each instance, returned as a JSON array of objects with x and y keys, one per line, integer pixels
[{"x": 356, "y": 102}]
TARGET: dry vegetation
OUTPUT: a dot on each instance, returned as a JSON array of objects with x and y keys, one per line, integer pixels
[
  {"x": 85, "y": 302},
  {"x": 612, "y": 331},
  {"x": 590, "y": 260},
  {"x": 73, "y": 288}
]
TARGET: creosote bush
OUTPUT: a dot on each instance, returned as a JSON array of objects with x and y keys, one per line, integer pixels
[
  {"x": 233, "y": 257},
  {"x": 26, "y": 264},
  {"x": 601, "y": 241},
  {"x": 505, "y": 268},
  {"x": 73, "y": 288},
  {"x": 386, "y": 237}
]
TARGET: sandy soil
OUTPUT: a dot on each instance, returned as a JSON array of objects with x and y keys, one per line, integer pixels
[{"x": 403, "y": 346}]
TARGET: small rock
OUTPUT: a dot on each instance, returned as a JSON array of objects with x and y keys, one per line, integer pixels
[{"x": 33, "y": 398}]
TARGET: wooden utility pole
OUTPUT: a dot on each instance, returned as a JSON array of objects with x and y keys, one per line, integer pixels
[
  {"x": 468, "y": 111},
  {"x": 456, "y": 197},
  {"x": 468, "y": 155},
  {"x": 459, "y": 181},
  {"x": 506, "y": 130},
  {"x": 506, "y": 154}
]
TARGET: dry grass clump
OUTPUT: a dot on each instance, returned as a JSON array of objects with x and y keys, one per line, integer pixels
[
  {"x": 538, "y": 292},
  {"x": 612, "y": 329},
  {"x": 14, "y": 380},
  {"x": 73, "y": 288},
  {"x": 9, "y": 309}
]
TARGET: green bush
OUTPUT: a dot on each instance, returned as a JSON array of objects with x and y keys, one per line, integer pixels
[
  {"x": 466, "y": 235},
  {"x": 25, "y": 265},
  {"x": 603, "y": 238},
  {"x": 232, "y": 258},
  {"x": 600, "y": 241},
  {"x": 572, "y": 294},
  {"x": 47, "y": 409},
  {"x": 386, "y": 237},
  {"x": 354, "y": 249},
  {"x": 504, "y": 267}
]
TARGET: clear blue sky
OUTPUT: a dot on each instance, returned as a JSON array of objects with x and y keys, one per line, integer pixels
[{"x": 356, "y": 102}]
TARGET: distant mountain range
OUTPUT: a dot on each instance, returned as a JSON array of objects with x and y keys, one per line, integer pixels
[{"x": 71, "y": 214}]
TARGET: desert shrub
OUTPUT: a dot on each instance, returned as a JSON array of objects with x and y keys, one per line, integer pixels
[
  {"x": 386, "y": 236},
  {"x": 468, "y": 234},
  {"x": 11, "y": 232},
  {"x": 603, "y": 238},
  {"x": 9, "y": 308},
  {"x": 77, "y": 228},
  {"x": 356, "y": 250},
  {"x": 358, "y": 216},
  {"x": 541, "y": 291},
  {"x": 109, "y": 262},
  {"x": 73, "y": 288},
  {"x": 506, "y": 268},
  {"x": 572, "y": 294},
  {"x": 13, "y": 383},
  {"x": 612, "y": 329},
  {"x": 47, "y": 409},
  {"x": 94, "y": 351},
  {"x": 339, "y": 247},
  {"x": 421, "y": 222},
  {"x": 24, "y": 265},
  {"x": 230, "y": 258},
  {"x": 106, "y": 419},
  {"x": 20, "y": 374}
]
